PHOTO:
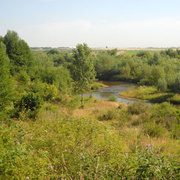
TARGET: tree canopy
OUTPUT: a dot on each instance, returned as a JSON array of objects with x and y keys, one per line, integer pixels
[
  {"x": 6, "y": 83},
  {"x": 18, "y": 51},
  {"x": 83, "y": 71}
]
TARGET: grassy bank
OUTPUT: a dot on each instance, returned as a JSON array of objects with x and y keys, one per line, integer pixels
[
  {"x": 105, "y": 140},
  {"x": 97, "y": 85},
  {"x": 151, "y": 94}
]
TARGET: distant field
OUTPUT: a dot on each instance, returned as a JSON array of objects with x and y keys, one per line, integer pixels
[
  {"x": 132, "y": 52},
  {"x": 129, "y": 51}
]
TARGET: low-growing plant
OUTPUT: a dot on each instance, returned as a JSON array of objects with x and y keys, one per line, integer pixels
[
  {"x": 109, "y": 115},
  {"x": 137, "y": 107},
  {"x": 113, "y": 98},
  {"x": 153, "y": 130}
]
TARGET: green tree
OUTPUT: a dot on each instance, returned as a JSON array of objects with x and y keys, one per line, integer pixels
[
  {"x": 103, "y": 65},
  {"x": 156, "y": 73},
  {"x": 177, "y": 84},
  {"x": 83, "y": 71},
  {"x": 6, "y": 82},
  {"x": 112, "y": 52},
  {"x": 53, "y": 51},
  {"x": 18, "y": 51},
  {"x": 162, "y": 85}
]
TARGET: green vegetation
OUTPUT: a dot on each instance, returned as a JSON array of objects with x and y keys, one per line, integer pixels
[
  {"x": 6, "y": 82},
  {"x": 151, "y": 94},
  {"x": 132, "y": 52},
  {"x": 97, "y": 85},
  {"x": 82, "y": 69},
  {"x": 113, "y": 98},
  {"x": 62, "y": 145},
  {"x": 144, "y": 68},
  {"x": 45, "y": 135}
]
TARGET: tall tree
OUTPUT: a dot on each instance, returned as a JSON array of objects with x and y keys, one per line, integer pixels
[
  {"x": 82, "y": 69},
  {"x": 6, "y": 83},
  {"x": 18, "y": 51}
]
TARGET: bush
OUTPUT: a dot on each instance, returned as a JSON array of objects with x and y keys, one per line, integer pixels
[
  {"x": 137, "y": 107},
  {"x": 151, "y": 165},
  {"x": 30, "y": 102},
  {"x": 109, "y": 115},
  {"x": 50, "y": 92},
  {"x": 175, "y": 131},
  {"x": 113, "y": 98},
  {"x": 153, "y": 130},
  {"x": 23, "y": 78}
]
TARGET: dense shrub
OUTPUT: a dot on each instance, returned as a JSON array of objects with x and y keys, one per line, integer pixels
[
  {"x": 30, "y": 102},
  {"x": 109, "y": 115},
  {"x": 137, "y": 107},
  {"x": 153, "y": 130}
]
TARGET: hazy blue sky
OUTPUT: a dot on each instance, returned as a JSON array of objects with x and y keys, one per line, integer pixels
[{"x": 99, "y": 23}]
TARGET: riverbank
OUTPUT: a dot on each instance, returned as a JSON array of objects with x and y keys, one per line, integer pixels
[
  {"x": 151, "y": 94},
  {"x": 97, "y": 85}
]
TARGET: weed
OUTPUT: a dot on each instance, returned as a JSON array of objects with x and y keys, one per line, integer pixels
[{"x": 113, "y": 98}]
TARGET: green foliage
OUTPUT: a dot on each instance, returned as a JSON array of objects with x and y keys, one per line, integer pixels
[
  {"x": 119, "y": 115},
  {"x": 30, "y": 102},
  {"x": 82, "y": 68},
  {"x": 23, "y": 78},
  {"x": 162, "y": 85},
  {"x": 74, "y": 148},
  {"x": 137, "y": 107},
  {"x": 113, "y": 98},
  {"x": 97, "y": 85},
  {"x": 18, "y": 52},
  {"x": 109, "y": 115},
  {"x": 145, "y": 67},
  {"x": 156, "y": 74},
  {"x": 50, "y": 92},
  {"x": 53, "y": 51},
  {"x": 176, "y": 86},
  {"x": 144, "y": 54},
  {"x": 59, "y": 76},
  {"x": 6, "y": 81},
  {"x": 112, "y": 52},
  {"x": 153, "y": 166},
  {"x": 153, "y": 130},
  {"x": 104, "y": 64}
]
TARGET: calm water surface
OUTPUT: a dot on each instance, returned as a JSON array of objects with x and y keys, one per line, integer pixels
[{"x": 113, "y": 89}]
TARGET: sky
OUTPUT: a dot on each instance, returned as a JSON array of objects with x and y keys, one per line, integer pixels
[{"x": 99, "y": 23}]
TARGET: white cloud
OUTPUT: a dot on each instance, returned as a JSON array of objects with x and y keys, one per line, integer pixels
[{"x": 155, "y": 32}]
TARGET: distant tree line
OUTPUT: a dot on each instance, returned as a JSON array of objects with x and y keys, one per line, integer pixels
[{"x": 145, "y": 68}]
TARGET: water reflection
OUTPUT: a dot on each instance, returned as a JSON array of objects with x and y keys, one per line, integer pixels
[{"x": 113, "y": 89}]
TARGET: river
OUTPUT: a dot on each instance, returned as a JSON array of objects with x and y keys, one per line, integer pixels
[{"x": 113, "y": 89}]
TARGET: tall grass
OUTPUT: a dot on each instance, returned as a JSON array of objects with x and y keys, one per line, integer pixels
[{"x": 58, "y": 145}]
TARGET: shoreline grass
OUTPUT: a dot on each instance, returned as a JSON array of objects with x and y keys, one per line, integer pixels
[{"x": 151, "y": 94}]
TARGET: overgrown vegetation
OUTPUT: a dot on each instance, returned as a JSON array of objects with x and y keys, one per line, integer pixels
[{"x": 45, "y": 135}]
